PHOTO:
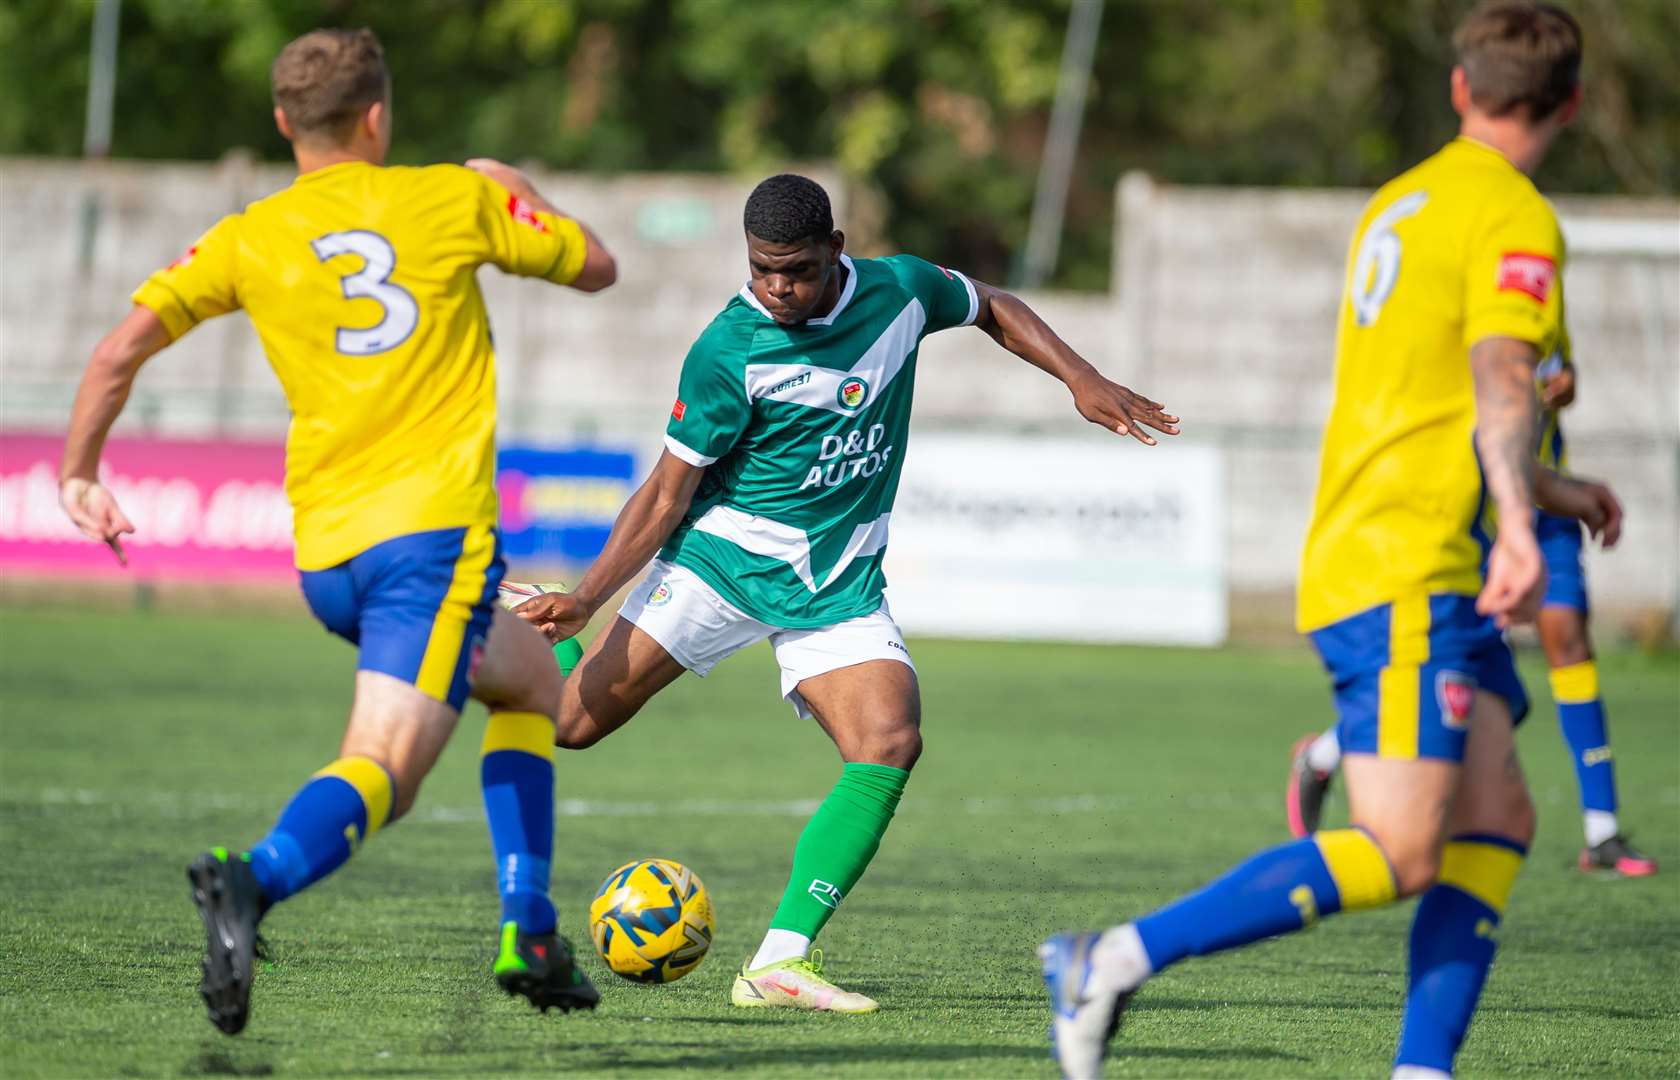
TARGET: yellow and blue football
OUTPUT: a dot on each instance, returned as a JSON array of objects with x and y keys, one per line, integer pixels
[{"x": 652, "y": 921}]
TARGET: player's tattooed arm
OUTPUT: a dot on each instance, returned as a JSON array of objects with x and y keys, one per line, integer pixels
[
  {"x": 1507, "y": 422},
  {"x": 100, "y": 398},
  {"x": 600, "y": 269},
  {"x": 643, "y": 526},
  {"x": 1017, "y": 327}
]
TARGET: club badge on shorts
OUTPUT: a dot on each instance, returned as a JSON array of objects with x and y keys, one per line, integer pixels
[
  {"x": 1455, "y": 692},
  {"x": 660, "y": 596}
]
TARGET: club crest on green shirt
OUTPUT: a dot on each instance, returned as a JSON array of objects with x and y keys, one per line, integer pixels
[{"x": 853, "y": 392}]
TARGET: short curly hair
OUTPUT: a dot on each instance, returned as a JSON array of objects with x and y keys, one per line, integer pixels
[{"x": 788, "y": 209}]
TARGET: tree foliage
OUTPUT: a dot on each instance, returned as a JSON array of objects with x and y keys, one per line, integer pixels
[{"x": 935, "y": 110}]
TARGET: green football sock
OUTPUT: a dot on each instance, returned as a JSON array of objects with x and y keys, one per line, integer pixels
[{"x": 837, "y": 844}]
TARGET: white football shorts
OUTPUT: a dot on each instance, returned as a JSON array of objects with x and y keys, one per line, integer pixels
[{"x": 699, "y": 628}]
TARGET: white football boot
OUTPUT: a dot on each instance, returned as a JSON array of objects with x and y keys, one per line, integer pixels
[
  {"x": 797, "y": 983},
  {"x": 1086, "y": 1003}
]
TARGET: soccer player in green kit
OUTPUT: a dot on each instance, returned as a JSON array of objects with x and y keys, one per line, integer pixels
[{"x": 766, "y": 518}]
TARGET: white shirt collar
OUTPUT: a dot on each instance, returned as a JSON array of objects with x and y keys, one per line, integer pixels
[{"x": 846, "y": 292}]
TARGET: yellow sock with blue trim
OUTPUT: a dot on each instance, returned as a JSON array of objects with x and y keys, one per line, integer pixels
[
  {"x": 1452, "y": 946},
  {"x": 1581, "y": 716},
  {"x": 1277, "y": 891},
  {"x": 516, "y": 768},
  {"x": 323, "y": 825}
]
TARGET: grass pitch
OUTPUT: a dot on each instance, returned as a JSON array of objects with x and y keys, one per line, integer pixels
[{"x": 1061, "y": 787}]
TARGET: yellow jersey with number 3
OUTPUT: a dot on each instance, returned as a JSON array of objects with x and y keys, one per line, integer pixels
[
  {"x": 360, "y": 281},
  {"x": 1458, "y": 249}
]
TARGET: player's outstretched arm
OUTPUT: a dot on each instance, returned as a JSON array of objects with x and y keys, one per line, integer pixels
[
  {"x": 1017, "y": 327},
  {"x": 600, "y": 269},
  {"x": 642, "y": 528},
  {"x": 1591, "y": 503},
  {"x": 1507, "y": 420},
  {"x": 99, "y": 399}
]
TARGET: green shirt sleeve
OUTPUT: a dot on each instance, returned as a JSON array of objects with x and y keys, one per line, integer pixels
[
  {"x": 711, "y": 409},
  {"x": 947, "y": 296}
]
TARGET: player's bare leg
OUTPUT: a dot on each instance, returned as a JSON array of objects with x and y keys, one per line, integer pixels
[
  {"x": 399, "y": 728},
  {"x": 1567, "y": 642},
  {"x": 872, "y": 711},
  {"x": 518, "y": 680},
  {"x": 620, "y": 672},
  {"x": 1403, "y": 806}
]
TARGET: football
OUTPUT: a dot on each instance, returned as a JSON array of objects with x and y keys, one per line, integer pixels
[{"x": 652, "y": 921}]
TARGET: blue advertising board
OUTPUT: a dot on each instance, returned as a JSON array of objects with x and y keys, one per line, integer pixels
[{"x": 558, "y": 505}]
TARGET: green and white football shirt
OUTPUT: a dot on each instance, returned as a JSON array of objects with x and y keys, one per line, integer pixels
[{"x": 803, "y": 429}]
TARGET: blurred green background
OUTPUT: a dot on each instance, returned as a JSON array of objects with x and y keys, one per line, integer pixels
[{"x": 934, "y": 110}]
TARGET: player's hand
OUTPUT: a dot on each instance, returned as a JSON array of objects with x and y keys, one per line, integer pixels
[
  {"x": 1594, "y": 505},
  {"x": 1603, "y": 517},
  {"x": 1516, "y": 579},
  {"x": 95, "y": 511},
  {"x": 1118, "y": 409},
  {"x": 1558, "y": 391},
  {"x": 1591, "y": 503},
  {"x": 558, "y": 615},
  {"x": 506, "y": 175}
]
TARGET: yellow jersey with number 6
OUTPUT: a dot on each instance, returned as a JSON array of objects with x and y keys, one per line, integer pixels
[
  {"x": 360, "y": 281},
  {"x": 1456, "y": 250}
]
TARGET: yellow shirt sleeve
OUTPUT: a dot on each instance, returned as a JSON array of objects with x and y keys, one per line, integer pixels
[
  {"x": 1514, "y": 283},
  {"x": 526, "y": 241},
  {"x": 200, "y": 284}
]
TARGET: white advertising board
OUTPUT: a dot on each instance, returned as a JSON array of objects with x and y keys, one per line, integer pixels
[{"x": 1069, "y": 539}]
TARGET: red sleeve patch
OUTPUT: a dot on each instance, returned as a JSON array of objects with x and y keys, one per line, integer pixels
[
  {"x": 946, "y": 272},
  {"x": 677, "y": 410},
  {"x": 184, "y": 260},
  {"x": 1526, "y": 272},
  {"x": 522, "y": 212}
]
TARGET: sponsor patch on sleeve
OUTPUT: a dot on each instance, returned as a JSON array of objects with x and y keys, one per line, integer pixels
[
  {"x": 1527, "y": 272},
  {"x": 185, "y": 259},
  {"x": 522, "y": 212},
  {"x": 678, "y": 409}
]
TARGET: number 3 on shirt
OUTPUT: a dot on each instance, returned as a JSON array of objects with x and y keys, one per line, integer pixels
[
  {"x": 371, "y": 282},
  {"x": 1376, "y": 262}
]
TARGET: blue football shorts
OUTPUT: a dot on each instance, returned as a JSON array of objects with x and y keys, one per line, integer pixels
[
  {"x": 1405, "y": 675},
  {"x": 417, "y": 606},
  {"x": 1561, "y": 539}
]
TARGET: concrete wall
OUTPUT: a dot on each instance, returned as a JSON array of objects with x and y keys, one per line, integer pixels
[{"x": 1224, "y": 308}]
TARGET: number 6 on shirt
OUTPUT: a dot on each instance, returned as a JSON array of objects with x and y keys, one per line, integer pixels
[{"x": 372, "y": 282}]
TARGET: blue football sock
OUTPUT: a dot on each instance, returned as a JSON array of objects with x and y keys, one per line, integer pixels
[
  {"x": 1279, "y": 890},
  {"x": 1452, "y": 947},
  {"x": 323, "y": 825},
  {"x": 516, "y": 768},
  {"x": 1581, "y": 715}
]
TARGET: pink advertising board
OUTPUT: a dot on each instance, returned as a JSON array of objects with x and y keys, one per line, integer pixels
[{"x": 210, "y": 509}]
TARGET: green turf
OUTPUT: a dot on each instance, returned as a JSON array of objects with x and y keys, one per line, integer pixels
[{"x": 1061, "y": 786}]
